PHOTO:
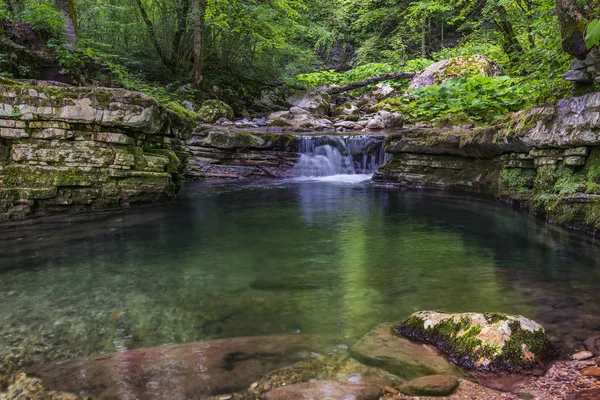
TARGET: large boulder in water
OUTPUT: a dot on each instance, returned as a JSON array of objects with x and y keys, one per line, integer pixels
[
  {"x": 384, "y": 349},
  {"x": 487, "y": 342},
  {"x": 457, "y": 67}
]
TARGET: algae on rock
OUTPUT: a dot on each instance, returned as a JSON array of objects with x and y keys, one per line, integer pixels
[{"x": 487, "y": 342}]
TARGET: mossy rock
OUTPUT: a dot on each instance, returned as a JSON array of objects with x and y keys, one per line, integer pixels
[
  {"x": 213, "y": 110},
  {"x": 486, "y": 342},
  {"x": 457, "y": 67}
]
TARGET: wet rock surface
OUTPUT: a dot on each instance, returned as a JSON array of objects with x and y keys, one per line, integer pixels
[
  {"x": 383, "y": 349},
  {"x": 521, "y": 159},
  {"x": 433, "y": 385},
  {"x": 178, "y": 372},
  {"x": 324, "y": 390},
  {"x": 593, "y": 345}
]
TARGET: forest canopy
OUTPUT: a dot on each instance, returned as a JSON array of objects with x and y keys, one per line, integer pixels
[{"x": 234, "y": 49}]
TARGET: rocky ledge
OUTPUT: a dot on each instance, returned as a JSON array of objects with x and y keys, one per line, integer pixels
[
  {"x": 224, "y": 154},
  {"x": 546, "y": 159},
  {"x": 65, "y": 148}
]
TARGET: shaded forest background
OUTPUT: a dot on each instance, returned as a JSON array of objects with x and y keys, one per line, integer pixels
[{"x": 192, "y": 50}]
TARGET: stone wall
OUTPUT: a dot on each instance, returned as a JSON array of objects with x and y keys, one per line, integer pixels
[
  {"x": 64, "y": 149},
  {"x": 240, "y": 154},
  {"x": 546, "y": 159}
]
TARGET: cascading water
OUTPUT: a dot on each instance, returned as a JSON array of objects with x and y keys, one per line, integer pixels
[{"x": 323, "y": 156}]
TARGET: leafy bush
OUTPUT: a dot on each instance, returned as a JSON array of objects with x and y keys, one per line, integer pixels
[
  {"x": 44, "y": 18},
  {"x": 479, "y": 97},
  {"x": 359, "y": 73}
]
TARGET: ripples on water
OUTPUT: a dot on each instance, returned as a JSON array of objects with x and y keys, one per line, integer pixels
[{"x": 315, "y": 256}]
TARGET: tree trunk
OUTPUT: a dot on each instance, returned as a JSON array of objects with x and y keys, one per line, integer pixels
[
  {"x": 572, "y": 20},
  {"x": 374, "y": 79},
  {"x": 423, "y": 39},
  {"x": 510, "y": 44},
  {"x": 70, "y": 11},
  {"x": 152, "y": 36},
  {"x": 198, "y": 15}
]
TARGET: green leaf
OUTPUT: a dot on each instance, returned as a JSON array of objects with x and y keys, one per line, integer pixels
[{"x": 592, "y": 39}]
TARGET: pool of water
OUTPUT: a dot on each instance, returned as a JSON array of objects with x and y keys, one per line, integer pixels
[{"x": 322, "y": 256}]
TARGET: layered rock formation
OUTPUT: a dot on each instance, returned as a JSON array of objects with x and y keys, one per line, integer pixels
[
  {"x": 64, "y": 148},
  {"x": 240, "y": 154},
  {"x": 546, "y": 159}
]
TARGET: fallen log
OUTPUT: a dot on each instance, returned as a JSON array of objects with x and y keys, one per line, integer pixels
[{"x": 371, "y": 80}]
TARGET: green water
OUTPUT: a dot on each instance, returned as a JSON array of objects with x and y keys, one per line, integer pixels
[{"x": 333, "y": 259}]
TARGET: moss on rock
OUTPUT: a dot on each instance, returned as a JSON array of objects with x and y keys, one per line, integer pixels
[
  {"x": 488, "y": 342},
  {"x": 213, "y": 110}
]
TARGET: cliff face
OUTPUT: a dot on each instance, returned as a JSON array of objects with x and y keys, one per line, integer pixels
[
  {"x": 547, "y": 159},
  {"x": 64, "y": 148}
]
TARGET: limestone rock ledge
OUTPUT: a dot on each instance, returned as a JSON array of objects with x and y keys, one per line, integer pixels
[
  {"x": 66, "y": 148},
  {"x": 546, "y": 159},
  {"x": 226, "y": 154}
]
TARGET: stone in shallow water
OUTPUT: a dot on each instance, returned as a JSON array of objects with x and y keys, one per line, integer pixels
[
  {"x": 486, "y": 342},
  {"x": 592, "y": 394},
  {"x": 178, "y": 372},
  {"x": 324, "y": 390},
  {"x": 582, "y": 355},
  {"x": 383, "y": 349},
  {"x": 593, "y": 344},
  {"x": 433, "y": 385}
]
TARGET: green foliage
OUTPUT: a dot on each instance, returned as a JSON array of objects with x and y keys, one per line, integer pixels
[
  {"x": 518, "y": 180},
  {"x": 359, "y": 73},
  {"x": 592, "y": 37},
  {"x": 68, "y": 59},
  {"x": 331, "y": 77},
  {"x": 44, "y": 18},
  {"x": 480, "y": 98}
]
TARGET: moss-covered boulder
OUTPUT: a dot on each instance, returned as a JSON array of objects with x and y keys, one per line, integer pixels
[
  {"x": 486, "y": 342},
  {"x": 213, "y": 110},
  {"x": 457, "y": 67}
]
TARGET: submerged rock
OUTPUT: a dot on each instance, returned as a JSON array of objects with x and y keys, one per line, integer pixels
[
  {"x": 487, "y": 342},
  {"x": 179, "y": 372},
  {"x": 433, "y": 385},
  {"x": 593, "y": 344},
  {"x": 26, "y": 387},
  {"x": 325, "y": 390},
  {"x": 384, "y": 349},
  {"x": 213, "y": 110}
]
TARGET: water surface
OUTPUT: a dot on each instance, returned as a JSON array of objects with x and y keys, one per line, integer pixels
[{"x": 319, "y": 256}]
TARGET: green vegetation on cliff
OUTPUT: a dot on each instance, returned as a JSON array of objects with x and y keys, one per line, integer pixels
[{"x": 195, "y": 50}]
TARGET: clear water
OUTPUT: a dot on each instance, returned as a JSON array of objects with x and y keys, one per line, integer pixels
[{"x": 328, "y": 257}]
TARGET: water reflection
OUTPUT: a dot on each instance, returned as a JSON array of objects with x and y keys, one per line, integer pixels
[{"x": 312, "y": 257}]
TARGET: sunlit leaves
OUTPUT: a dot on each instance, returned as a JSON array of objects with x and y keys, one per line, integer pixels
[{"x": 592, "y": 37}]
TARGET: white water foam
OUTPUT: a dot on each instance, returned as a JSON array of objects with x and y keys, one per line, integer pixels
[{"x": 350, "y": 159}]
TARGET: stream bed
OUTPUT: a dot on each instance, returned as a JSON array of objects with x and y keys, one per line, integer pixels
[{"x": 326, "y": 256}]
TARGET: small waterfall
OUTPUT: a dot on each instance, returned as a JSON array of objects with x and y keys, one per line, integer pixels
[{"x": 322, "y": 156}]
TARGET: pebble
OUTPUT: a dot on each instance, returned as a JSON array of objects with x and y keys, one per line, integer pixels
[
  {"x": 583, "y": 355},
  {"x": 226, "y": 397},
  {"x": 591, "y": 371}
]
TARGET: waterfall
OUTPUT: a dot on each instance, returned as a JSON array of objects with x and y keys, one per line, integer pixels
[{"x": 322, "y": 156}]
